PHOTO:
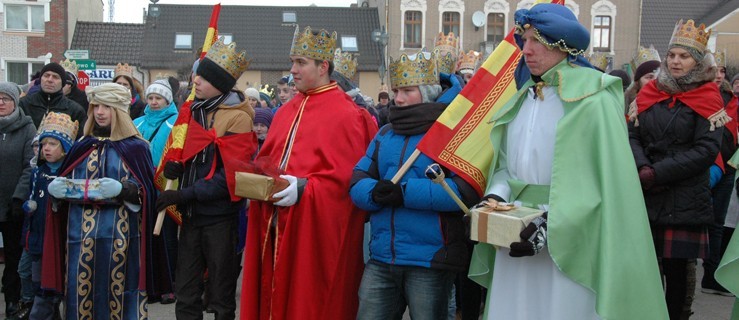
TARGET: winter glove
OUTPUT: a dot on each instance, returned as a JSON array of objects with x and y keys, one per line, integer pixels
[
  {"x": 716, "y": 174},
  {"x": 534, "y": 238},
  {"x": 109, "y": 188},
  {"x": 16, "y": 212},
  {"x": 58, "y": 187},
  {"x": 290, "y": 194},
  {"x": 646, "y": 177},
  {"x": 173, "y": 170},
  {"x": 168, "y": 198},
  {"x": 387, "y": 193},
  {"x": 450, "y": 93},
  {"x": 129, "y": 193},
  {"x": 486, "y": 198}
]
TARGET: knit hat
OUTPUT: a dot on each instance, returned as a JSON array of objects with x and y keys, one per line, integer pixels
[
  {"x": 735, "y": 78},
  {"x": 71, "y": 79},
  {"x": 263, "y": 116},
  {"x": 162, "y": 88},
  {"x": 252, "y": 93},
  {"x": 59, "y": 126},
  {"x": 11, "y": 89},
  {"x": 55, "y": 68},
  {"x": 644, "y": 68},
  {"x": 383, "y": 95},
  {"x": 266, "y": 98}
]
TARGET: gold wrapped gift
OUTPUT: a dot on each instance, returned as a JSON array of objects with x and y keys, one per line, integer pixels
[
  {"x": 258, "y": 187},
  {"x": 500, "y": 225}
]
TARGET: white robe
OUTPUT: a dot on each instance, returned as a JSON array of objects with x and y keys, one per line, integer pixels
[{"x": 533, "y": 287}]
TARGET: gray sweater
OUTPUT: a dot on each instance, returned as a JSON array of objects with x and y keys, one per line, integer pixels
[{"x": 16, "y": 135}]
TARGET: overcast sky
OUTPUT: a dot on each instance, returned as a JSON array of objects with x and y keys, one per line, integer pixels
[{"x": 131, "y": 11}]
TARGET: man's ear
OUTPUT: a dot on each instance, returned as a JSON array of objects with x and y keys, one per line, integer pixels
[{"x": 324, "y": 67}]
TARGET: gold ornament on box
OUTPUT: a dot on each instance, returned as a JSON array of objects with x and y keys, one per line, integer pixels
[
  {"x": 644, "y": 55},
  {"x": 688, "y": 35},
  {"x": 226, "y": 57},
  {"x": 409, "y": 72},
  {"x": 345, "y": 63},
  {"x": 469, "y": 60},
  {"x": 70, "y": 66},
  {"x": 59, "y": 125},
  {"x": 319, "y": 46},
  {"x": 447, "y": 52},
  {"x": 720, "y": 57},
  {"x": 599, "y": 60},
  {"x": 124, "y": 70}
]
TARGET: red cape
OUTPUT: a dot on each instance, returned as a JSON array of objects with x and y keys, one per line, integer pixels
[{"x": 318, "y": 258}]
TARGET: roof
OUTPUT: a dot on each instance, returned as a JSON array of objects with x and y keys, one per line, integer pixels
[
  {"x": 660, "y": 16},
  {"x": 110, "y": 43},
  {"x": 256, "y": 29},
  {"x": 720, "y": 11}
]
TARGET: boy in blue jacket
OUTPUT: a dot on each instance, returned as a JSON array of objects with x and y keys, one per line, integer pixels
[{"x": 417, "y": 244}]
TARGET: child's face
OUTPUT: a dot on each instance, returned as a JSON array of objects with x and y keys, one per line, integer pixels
[{"x": 52, "y": 150}]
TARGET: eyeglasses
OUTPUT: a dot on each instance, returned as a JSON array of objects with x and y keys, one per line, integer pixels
[{"x": 6, "y": 100}]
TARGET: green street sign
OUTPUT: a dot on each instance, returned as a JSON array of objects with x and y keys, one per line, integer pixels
[{"x": 85, "y": 64}]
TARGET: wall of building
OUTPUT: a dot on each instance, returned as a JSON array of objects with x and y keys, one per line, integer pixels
[
  {"x": 369, "y": 84},
  {"x": 82, "y": 10},
  {"x": 55, "y": 33},
  {"x": 13, "y": 48}
]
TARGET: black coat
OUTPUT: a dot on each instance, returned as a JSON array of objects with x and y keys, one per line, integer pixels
[
  {"x": 37, "y": 105},
  {"x": 678, "y": 144}
]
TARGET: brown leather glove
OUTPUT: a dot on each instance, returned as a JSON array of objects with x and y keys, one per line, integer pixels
[{"x": 646, "y": 177}]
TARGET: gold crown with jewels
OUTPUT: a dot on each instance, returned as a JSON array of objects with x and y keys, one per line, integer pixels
[
  {"x": 59, "y": 125},
  {"x": 226, "y": 57},
  {"x": 687, "y": 34},
  {"x": 469, "y": 60},
  {"x": 644, "y": 55},
  {"x": 447, "y": 51},
  {"x": 124, "y": 70},
  {"x": 720, "y": 57},
  {"x": 69, "y": 66},
  {"x": 599, "y": 60},
  {"x": 345, "y": 63},
  {"x": 409, "y": 72},
  {"x": 319, "y": 46}
]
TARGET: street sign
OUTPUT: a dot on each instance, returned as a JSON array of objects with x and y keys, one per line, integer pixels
[
  {"x": 85, "y": 64},
  {"x": 83, "y": 80},
  {"x": 77, "y": 54}
]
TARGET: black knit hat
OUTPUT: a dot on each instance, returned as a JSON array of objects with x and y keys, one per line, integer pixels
[
  {"x": 55, "y": 68},
  {"x": 644, "y": 68},
  {"x": 217, "y": 76}
]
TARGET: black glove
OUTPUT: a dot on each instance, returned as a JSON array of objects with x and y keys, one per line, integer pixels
[
  {"x": 168, "y": 198},
  {"x": 16, "y": 210},
  {"x": 129, "y": 193},
  {"x": 388, "y": 193},
  {"x": 534, "y": 238},
  {"x": 173, "y": 170}
]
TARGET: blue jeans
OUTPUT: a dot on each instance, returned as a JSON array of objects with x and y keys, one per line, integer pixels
[
  {"x": 386, "y": 290},
  {"x": 29, "y": 270}
]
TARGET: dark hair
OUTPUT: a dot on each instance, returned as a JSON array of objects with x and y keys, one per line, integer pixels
[
  {"x": 383, "y": 95},
  {"x": 330, "y": 65}
]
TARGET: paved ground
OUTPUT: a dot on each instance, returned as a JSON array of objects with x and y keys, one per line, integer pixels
[{"x": 705, "y": 306}]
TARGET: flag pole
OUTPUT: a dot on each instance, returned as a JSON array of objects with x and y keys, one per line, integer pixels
[{"x": 407, "y": 165}]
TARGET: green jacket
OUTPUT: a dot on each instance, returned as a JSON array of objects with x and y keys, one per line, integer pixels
[{"x": 598, "y": 235}]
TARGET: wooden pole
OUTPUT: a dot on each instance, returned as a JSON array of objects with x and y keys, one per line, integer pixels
[
  {"x": 160, "y": 216},
  {"x": 407, "y": 165}
]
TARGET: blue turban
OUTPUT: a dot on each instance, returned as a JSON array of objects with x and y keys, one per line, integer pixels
[{"x": 555, "y": 23}]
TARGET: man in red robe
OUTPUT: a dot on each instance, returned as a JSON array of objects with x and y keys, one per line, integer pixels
[{"x": 304, "y": 252}]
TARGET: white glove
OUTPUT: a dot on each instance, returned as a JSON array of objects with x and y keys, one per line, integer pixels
[
  {"x": 290, "y": 194},
  {"x": 58, "y": 187},
  {"x": 109, "y": 188}
]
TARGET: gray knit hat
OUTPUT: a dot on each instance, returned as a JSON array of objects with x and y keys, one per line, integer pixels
[
  {"x": 252, "y": 93},
  {"x": 162, "y": 88},
  {"x": 11, "y": 89}
]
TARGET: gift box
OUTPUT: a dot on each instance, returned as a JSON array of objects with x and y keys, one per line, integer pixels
[
  {"x": 258, "y": 187},
  {"x": 500, "y": 227}
]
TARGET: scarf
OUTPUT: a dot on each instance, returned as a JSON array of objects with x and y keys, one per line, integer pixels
[
  {"x": 9, "y": 119},
  {"x": 415, "y": 119},
  {"x": 704, "y": 100},
  {"x": 201, "y": 108}
]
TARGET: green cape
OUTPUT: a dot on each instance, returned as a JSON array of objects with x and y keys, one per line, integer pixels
[
  {"x": 598, "y": 231},
  {"x": 727, "y": 273}
]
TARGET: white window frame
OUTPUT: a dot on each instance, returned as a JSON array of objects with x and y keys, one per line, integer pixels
[
  {"x": 345, "y": 44},
  {"x": 27, "y": 4},
  {"x": 496, "y": 6},
  {"x": 176, "y": 34},
  {"x": 604, "y": 8},
  {"x": 412, "y": 5},
  {"x": 4, "y": 63},
  {"x": 452, "y": 6}
]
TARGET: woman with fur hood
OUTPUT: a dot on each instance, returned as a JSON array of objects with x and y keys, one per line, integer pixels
[{"x": 675, "y": 133}]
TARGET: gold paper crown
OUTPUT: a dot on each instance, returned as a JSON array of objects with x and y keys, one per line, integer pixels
[
  {"x": 266, "y": 89},
  {"x": 59, "y": 125},
  {"x": 644, "y": 55},
  {"x": 469, "y": 60},
  {"x": 720, "y": 57},
  {"x": 319, "y": 46},
  {"x": 226, "y": 57},
  {"x": 407, "y": 72},
  {"x": 687, "y": 34},
  {"x": 446, "y": 63},
  {"x": 69, "y": 66},
  {"x": 447, "y": 52},
  {"x": 345, "y": 63},
  {"x": 124, "y": 70},
  {"x": 599, "y": 60}
]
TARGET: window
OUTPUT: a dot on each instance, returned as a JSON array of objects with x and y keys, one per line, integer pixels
[
  {"x": 24, "y": 17},
  {"x": 496, "y": 28},
  {"x": 450, "y": 23},
  {"x": 183, "y": 40},
  {"x": 289, "y": 17},
  {"x": 227, "y": 37},
  {"x": 20, "y": 72},
  {"x": 349, "y": 44},
  {"x": 413, "y": 25},
  {"x": 602, "y": 33}
]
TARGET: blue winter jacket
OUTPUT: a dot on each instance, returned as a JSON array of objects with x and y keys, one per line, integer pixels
[
  {"x": 35, "y": 221},
  {"x": 427, "y": 231},
  {"x": 155, "y": 126}
]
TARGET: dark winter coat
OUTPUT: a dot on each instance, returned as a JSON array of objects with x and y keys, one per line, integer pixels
[
  {"x": 40, "y": 103},
  {"x": 17, "y": 134}
]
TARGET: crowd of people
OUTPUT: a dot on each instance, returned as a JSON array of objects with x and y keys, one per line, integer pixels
[{"x": 645, "y": 154}]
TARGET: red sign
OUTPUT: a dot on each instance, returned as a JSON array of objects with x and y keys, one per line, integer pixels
[{"x": 83, "y": 80}]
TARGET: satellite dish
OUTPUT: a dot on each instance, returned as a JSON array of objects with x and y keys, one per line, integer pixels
[{"x": 478, "y": 19}]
